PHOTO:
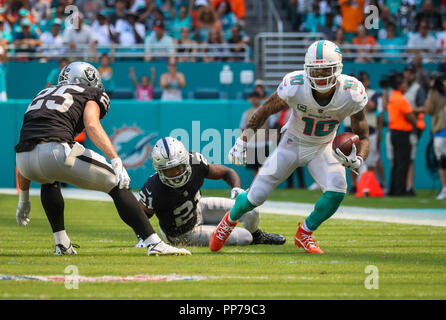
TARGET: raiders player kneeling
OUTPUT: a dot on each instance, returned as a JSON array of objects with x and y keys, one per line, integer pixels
[{"x": 173, "y": 194}]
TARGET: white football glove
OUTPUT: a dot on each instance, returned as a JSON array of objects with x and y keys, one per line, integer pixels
[
  {"x": 237, "y": 155},
  {"x": 235, "y": 192},
  {"x": 22, "y": 212},
  {"x": 122, "y": 177},
  {"x": 351, "y": 161}
]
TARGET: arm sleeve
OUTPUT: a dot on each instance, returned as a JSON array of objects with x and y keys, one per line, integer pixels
[
  {"x": 145, "y": 197},
  {"x": 286, "y": 90},
  {"x": 101, "y": 98},
  {"x": 199, "y": 162},
  {"x": 359, "y": 98}
]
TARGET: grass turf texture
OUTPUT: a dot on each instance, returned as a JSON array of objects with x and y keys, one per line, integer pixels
[{"x": 410, "y": 260}]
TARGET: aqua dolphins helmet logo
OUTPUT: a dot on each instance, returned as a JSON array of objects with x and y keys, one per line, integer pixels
[{"x": 132, "y": 145}]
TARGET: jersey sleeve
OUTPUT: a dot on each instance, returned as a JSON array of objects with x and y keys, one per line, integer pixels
[
  {"x": 146, "y": 195},
  {"x": 101, "y": 98},
  {"x": 199, "y": 162},
  {"x": 289, "y": 85},
  {"x": 359, "y": 98}
]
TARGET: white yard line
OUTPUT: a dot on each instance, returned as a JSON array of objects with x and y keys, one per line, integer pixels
[{"x": 418, "y": 216}]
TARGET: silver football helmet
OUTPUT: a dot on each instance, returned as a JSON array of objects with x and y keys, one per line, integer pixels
[
  {"x": 80, "y": 72},
  {"x": 169, "y": 153}
]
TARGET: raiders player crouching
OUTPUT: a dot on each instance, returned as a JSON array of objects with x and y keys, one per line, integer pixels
[
  {"x": 173, "y": 194},
  {"x": 47, "y": 154}
]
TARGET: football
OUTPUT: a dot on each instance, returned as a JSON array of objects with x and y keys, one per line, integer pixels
[{"x": 344, "y": 142}]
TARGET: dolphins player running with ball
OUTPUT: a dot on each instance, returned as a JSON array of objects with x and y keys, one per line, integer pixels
[{"x": 320, "y": 98}]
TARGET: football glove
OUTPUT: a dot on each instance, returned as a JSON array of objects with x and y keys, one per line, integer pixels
[
  {"x": 22, "y": 212},
  {"x": 235, "y": 192},
  {"x": 122, "y": 177},
  {"x": 351, "y": 161},
  {"x": 237, "y": 155}
]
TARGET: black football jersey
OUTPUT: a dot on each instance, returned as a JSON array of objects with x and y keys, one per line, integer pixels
[
  {"x": 175, "y": 207},
  {"x": 56, "y": 113}
]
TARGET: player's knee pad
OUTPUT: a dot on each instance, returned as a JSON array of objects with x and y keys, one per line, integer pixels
[{"x": 443, "y": 161}]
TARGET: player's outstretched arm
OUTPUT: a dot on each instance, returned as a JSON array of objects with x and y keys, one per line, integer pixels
[
  {"x": 96, "y": 132},
  {"x": 360, "y": 127},
  {"x": 220, "y": 172},
  {"x": 272, "y": 105},
  {"x": 97, "y": 135}
]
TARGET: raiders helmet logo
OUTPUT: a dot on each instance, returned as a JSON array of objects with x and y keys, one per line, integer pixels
[{"x": 90, "y": 74}]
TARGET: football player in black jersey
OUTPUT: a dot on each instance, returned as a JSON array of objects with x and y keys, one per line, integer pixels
[
  {"x": 173, "y": 194},
  {"x": 47, "y": 154}
]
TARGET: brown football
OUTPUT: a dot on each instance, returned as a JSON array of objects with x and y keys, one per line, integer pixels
[{"x": 344, "y": 142}]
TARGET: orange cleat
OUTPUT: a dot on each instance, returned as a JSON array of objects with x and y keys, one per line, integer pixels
[
  {"x": 221, "y": 234},
  {"x": 304, "y": 239}
]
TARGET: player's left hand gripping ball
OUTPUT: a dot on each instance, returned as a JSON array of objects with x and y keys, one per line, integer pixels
[
  {"x": 351, "y": 161},
  {"x": 237, "y": 155},
  {"x": 122, "y": 176}
]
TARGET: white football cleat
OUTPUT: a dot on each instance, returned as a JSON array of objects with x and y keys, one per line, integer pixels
[
  {"x": 441, "y": 195},
  {"x": 140, "y": 244},
  {"x": 162, "y": 248},
  {"x": 61, "y": 250}
]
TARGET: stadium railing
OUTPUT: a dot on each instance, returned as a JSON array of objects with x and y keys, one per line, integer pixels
[
  {"x": 278, "y": 53},
  {"x": 86, "y": 52}
]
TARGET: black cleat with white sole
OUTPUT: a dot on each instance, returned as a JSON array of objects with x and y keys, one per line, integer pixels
[
  {"x": 262, "y": 237},
  {"x": 61, "y": 250}
]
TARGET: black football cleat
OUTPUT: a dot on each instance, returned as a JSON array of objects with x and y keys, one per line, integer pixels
[{"x": 262, "y": 237}]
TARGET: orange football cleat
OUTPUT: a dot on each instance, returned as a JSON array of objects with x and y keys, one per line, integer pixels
[
  {"x": 221, "y": 234},
  {"x": 304, "y": 239}
]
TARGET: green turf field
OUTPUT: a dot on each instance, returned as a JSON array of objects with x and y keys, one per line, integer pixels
[{"x": 411, "y": 260}]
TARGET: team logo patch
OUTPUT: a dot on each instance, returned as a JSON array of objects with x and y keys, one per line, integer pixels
[
  {"x": 302, "y": 107},
  {"x": 132, "y": 145},
  {"x": 90, "y": 74}
]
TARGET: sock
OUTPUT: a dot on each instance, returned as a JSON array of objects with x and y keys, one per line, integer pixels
[
  {"x": 61, "y": 237},
  {"x": 241, "y": 206},
  {"x": 154, "y": 238},
  {"x": 324, "y": 208},
  {"x": 23, "y": 195},
  {"x": 53, "y": 204},
  {"x": 304, "y": 226},
  {"x": 131, "y": 212}
]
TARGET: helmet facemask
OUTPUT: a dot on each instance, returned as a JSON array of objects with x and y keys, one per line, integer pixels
[
  {"x": 176, "y": 176},
  {"x": 323, "y": 77}
]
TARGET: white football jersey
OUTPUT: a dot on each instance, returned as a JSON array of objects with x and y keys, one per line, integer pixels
[{"x": 314, "y": 123}]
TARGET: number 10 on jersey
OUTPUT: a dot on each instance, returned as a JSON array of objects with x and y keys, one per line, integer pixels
[{"x": 321, "y": 129}]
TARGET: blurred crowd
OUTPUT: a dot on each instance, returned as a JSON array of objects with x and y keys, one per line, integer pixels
[
  {"x": 33, "y": 25},
  {"x": 413, "y": 23}
]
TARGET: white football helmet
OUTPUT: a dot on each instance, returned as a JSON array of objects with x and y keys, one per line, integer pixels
[
  {"x": 80, "y": 72},
  {"x": 323, "y": 65},
  {"x": 170, "y": 153}
]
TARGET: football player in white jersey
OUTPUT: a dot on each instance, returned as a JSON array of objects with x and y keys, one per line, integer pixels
[{"x": 320, "y": 98}]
